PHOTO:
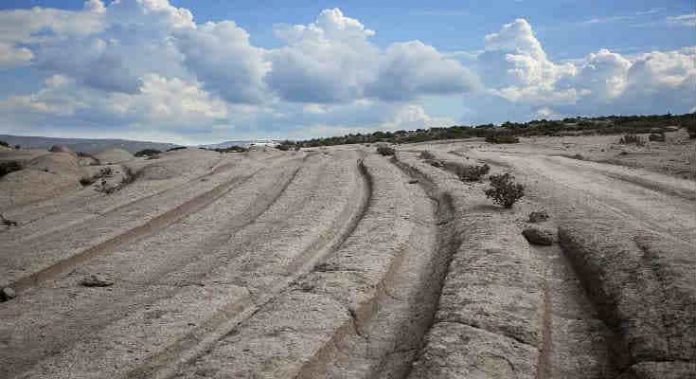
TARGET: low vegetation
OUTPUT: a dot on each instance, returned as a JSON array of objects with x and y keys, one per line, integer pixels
[
  {"x": 656, "y": 137},
  {"x": 385, "y": 150},
  {"x": 502, "y": 138},
  {"x": 504, "y": 191},
  {"x": 8, "y": 167},
  {"x": 105, "y": 172},
  {"x": 543, "y": 127},
  {"x": 105, "y": 187},
  {"x": 232, "y": 149},
  {"x": 5, "y": 144},
  {"x": 632, "y": 139},
  {"x": 425, "y": 154},
  {"x": 7, "y": 222},
  {"x": 176, "y": 148},
  {"x": 691, "y": 129},
  {"x": 148, "y": 153},
  {"x": 467, "y": 173}
]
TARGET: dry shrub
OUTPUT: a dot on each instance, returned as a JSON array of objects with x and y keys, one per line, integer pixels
[
  {"x": 385, "y": 150},
  {"x": 425, "y": 154},
  {"x": 502, "y": 138},
  {"x": 656, "y": 137},
  {"x": 632, "y": 139},
  {"x": 504, "y": 191},
  {"x": 472, "y": 173}
]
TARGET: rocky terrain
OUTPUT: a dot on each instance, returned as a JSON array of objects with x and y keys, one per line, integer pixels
[{"x": 343, "y": 263}]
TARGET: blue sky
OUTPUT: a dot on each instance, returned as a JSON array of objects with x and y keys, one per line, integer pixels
[{"x": 195, "y": 71}]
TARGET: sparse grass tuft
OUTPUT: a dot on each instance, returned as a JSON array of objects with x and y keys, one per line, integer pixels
[
  {"x": 385, "y": 150},
  {"x": 504, "y": 191}
]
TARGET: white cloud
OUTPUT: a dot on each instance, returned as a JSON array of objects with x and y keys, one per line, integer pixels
[
  {"x": 172, "y": 102},
  {"x": 329, "y": 60},
  {"x": 410, "y": 69},
  {"x": 159, "y": 103},
  {"x": 221, "y": 56},
  {"x": 13, "y": 56},
  {"x": 603, "y": 74},
  {"x": 413, "y": 116},
  {"x": 688, "y": 20},
  {"x": 515, "y": 66}
]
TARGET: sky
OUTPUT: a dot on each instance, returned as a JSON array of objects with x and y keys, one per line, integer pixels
[{"x": 205, "y": 71}]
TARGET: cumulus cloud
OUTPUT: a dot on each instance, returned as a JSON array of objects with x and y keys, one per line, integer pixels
[
  {"x": 168, "y": 101},
  {"x": 410, "y": 69},
  {"x": 221, "y": 56},
  {"x": 329, "y": 60},
  {"x": 160, "y": 101},
  {"x": 414, "y": 116},
  {"x": 115, "y": 56},
  {"x": 515, "y": 67},
  {"x": 332, "y": 60}
]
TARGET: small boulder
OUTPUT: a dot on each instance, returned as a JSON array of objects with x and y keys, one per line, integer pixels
[
  {"x": 538, "y": 236},
  {"x": 7, "y": 293},
  {"x": 538, "y": 216},
  {"x": 96, "y": 280}
]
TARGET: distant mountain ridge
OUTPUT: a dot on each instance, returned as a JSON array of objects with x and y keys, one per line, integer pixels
[{"x": 85, "y": 145}]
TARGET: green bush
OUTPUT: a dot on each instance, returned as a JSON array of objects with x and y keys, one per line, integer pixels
[
  {"x": 3, "y": 143},
  {"x": 504, "y": 191},
  {"x": 502, "y": 138},
  {"x": 385, "y": 150},
  {"x": 176, "y": 148},
  {"x": 147, "y": 153}
]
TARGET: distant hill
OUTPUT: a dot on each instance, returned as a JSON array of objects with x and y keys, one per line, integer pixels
[
  {"x": 83, "y": 144},
  {"x": 226, "y": 144}
]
